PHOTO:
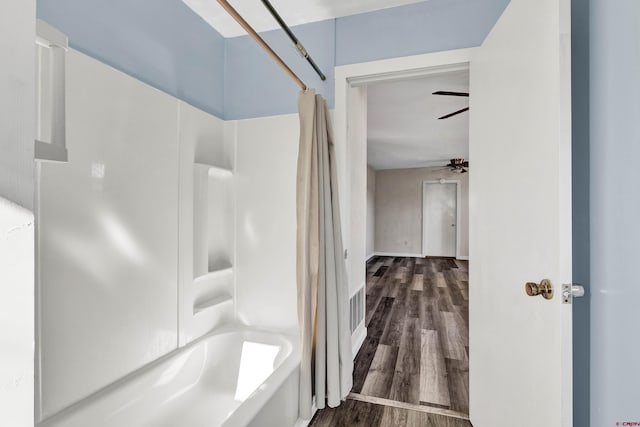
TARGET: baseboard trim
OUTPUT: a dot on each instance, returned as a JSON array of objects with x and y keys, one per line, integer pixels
[
  {"x": 371, "y": 256},
  {"x": 463, "y": 258},
  {"x": 357, "y": 338},
  {"x": 399, "y": 254}
]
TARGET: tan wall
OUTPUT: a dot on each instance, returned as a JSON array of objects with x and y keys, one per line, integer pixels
[
  {"x": 398, "y": 209},
  {"x": 371, "y": 211}
]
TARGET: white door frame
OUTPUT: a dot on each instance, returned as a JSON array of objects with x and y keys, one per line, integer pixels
[
  {"x": 424, "y": 209},
  {"x": 354, "y": 75},
  {"x": 349, "y": 76}
]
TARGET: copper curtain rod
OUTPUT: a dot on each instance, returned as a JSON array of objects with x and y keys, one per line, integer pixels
[{"x": 240, "y": 20}]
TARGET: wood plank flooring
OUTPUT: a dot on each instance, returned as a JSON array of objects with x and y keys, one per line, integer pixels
[
  {"x": 416, "y": 354},
  {"x": 417, "y": 346}
]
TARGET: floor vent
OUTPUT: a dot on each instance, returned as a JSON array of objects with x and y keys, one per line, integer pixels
[{"x": 357, "y": 309}]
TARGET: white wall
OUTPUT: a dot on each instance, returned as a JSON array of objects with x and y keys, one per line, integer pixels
[
  {"x": 17, "y": 107},
  {"x": 398, "y": 210},
  {"x": 371, "y": 211},
  {"x": 17, "y": 103},
  {"x": 357, "y": 148},
  {"x": 265, "y": 183},
  {"x": 16, "y": 314},
  {"x": 108, "y": 235}
]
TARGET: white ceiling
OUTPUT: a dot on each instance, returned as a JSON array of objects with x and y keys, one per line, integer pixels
[
  {"x": 293, "y": 12},
  {"x": 403, "y": 130}
]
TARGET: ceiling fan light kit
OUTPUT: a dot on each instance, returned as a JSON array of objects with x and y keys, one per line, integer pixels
[{"x": 458, "y": 165}]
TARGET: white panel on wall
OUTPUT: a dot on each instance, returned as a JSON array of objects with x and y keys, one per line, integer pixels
[
  {"x": 17, "y": 106},
  {"x": 206, "y": 223},
  {"x": 108, "y": 230},
  {"x": 17, "y": 101},
  {"x": 16, "y": 314},
  {"x": 371, "y": 212},
  {"x": 267, "y": 154},
  {"x": 357, "y": 146}
]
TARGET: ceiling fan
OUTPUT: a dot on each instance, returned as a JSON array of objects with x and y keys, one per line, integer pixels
[
  {"x": 458, "y": 165},
  {"x": 448, "y": 93}
]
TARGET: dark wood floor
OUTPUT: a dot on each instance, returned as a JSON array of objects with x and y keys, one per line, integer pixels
[
  {"x": 354, "y": 413},
  {"x": 416, "y": 350}
]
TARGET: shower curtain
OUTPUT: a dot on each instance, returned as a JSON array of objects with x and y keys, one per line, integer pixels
[{"x": 323, "y": 298}]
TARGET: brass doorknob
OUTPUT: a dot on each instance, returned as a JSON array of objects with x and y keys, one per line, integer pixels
[{"x": 544, "y": 288}]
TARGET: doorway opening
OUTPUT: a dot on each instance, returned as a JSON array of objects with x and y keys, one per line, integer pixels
[{"x": 403, "y": 158}]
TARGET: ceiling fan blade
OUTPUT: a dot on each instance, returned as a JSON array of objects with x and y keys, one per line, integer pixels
[
  {"x": 454, "y": 113},
  {"x": 446, "y": 92}
]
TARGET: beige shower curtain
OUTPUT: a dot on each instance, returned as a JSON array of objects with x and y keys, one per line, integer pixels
[{"x": 323, "y": 297}]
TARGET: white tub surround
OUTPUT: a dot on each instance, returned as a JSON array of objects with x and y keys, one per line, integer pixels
[
  {"x": 16, "y": 314},
  {"x": 107, "y": 226},
  {"x": 137, "y": 237},
  {"x": 17, "y": 106},
  {"x": 220, "y": 380},
  {"x": 128, "y": 234}
]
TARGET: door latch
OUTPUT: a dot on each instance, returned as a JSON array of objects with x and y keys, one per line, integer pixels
[{"x": 571, "y": 291}]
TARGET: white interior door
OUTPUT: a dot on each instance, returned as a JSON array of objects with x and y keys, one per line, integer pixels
[
  {"x": 439, "y": 219},
  {"x": 520, "y": 218}
]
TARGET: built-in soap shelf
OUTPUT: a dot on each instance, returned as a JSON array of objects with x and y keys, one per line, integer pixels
[
  {"x": 213, "y": 289},
  {"x": 215, "y": 272},
  {"x": 216, "y": 171},
  {"x": 211, "y": 303},
  {"x": 207, "y": 223},
  {"x": 212, "y": 295},
  {"x": 213, "y": 219},
  {"x": 50, "y": 118},
  {"x": 213, "y": 240}
]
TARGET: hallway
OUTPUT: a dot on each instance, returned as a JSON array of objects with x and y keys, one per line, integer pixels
[{"x": 414, "y": 364}]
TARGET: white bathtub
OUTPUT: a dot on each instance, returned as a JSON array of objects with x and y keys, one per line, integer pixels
[{"x": 223, "y": 379}]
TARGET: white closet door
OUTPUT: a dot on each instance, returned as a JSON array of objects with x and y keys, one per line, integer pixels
[{"x": 439, "y": 219}]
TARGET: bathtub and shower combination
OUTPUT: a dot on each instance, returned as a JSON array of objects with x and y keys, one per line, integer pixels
[{"x": 234, "y": 376}]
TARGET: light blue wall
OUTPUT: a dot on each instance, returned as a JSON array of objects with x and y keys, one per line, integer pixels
[
  {"x": 580, "y": 204},
  {"x": 161, "y": 42},
  {"x": 166, "y": 45},
  {"x": 615, "y": 210},
  {"x": 256, "y": 87}
]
